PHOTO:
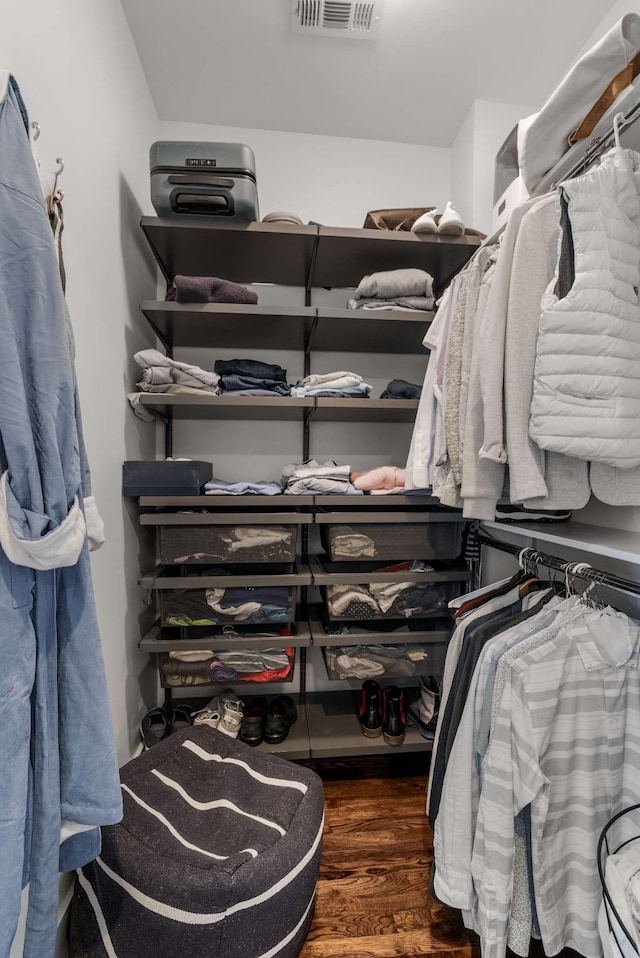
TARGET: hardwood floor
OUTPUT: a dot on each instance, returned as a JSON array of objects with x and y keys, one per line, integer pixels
[{"x": 372, "y": 899}]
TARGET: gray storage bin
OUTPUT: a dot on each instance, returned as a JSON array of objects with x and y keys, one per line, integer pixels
[
  {"x": 394, "y": 667},
  {"x": 186, "y": 607},
  {"x": 423, "y": 600},
  {"x": 228, "y": 544},
  {"x": 391, "y": 540},
  {"x": 174, "y": 674}
]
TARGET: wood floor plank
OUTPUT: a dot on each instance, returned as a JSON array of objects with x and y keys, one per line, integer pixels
[{"x": 372, "y": 898}]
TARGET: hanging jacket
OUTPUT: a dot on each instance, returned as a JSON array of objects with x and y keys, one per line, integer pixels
[
  {"x": 586, "y": 395},
  {"x": 57, "y": 754}
]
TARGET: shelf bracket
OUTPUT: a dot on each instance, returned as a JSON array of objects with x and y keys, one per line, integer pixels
[{"x": 308, "y": 346}]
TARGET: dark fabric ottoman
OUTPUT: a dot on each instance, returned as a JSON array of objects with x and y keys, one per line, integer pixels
[{"x": 217, "y": 855}]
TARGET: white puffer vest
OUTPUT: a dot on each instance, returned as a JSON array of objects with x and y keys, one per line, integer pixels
[{"x": 586, "y": 394}]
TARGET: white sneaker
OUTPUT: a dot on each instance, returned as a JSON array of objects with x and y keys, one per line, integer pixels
[
  {"x": 451, "y": 222},
  {"x": 425, "y": 223},
  {"x": 208, "y": 716},
  {"x": 231, "y": 713}
]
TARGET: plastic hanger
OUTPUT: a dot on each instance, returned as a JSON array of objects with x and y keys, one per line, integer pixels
[{"x": 618, "y": 118}]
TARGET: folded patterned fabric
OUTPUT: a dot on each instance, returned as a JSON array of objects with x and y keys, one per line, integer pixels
[
  {"x": 250, "y": 367},
  {"x": 234, "y": 383},
  {"x": 340, "y": 597},
  {"x": 160, "y": 370},
  {"x": 390, "y": 284},
  {"x": 401, "y": 389},
  {"x": 263, "y": 487},
  {"x": 424, "y": 304},
  {"x": 209, "y": 289}
]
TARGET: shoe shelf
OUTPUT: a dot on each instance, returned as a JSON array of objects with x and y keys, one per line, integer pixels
[
  {"x": 406, "y": 636},
  {"x": 295, "y": 747},
  {"x": 195, "y": 638},
  {"x": 225, "y": 518},
  {"x": 334, "y": 729},
  {"x": 199, "y": 325},
  {"x": 185, "y": 577},
  {"x": 298, "y": 255}
]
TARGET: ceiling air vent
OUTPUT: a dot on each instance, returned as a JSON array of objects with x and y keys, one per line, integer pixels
[{"x": 351, "y": 19}]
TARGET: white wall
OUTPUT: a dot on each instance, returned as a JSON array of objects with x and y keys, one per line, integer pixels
[
  {"x": 332, "y": 180},
  {"x": 81, "y": 79},
  {"x": 473, "y": 153}
]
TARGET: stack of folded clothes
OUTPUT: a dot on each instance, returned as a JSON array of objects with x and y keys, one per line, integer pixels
[
  {"x": 313, "y": 478},
  {"x": 374, "y": 661},
  {"x": 163, "y": 375},
  {"x": 404, "y": 289},
  {"x": 338, "y": 385},
  {"x": 240, "y": 665},
  {"x": 187, "y": 607},
  {"x": 209, "y": 289},
  {"x": 262, "y": 487},
  {"x": 385, "y": 481},
  {"x": 401, "y": 389},
  {"x": 250, "y": 377},
  {"x": 386, "y": 599}
]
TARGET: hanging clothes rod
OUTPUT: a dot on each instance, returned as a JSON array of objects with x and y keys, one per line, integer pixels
[
  {"x": 599, "y": 146},
  {"x": 578, "y": 569}
]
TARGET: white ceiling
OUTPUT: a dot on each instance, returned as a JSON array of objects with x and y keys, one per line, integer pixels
[{"x": 236, "y": 63}]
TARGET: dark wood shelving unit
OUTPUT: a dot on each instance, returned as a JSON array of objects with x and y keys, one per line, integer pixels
[{"x": 305, "y": 257}]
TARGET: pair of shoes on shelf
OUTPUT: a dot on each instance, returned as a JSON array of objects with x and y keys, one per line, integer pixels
[
  {"x": 224, "y": 712},
  {"x": 382, "y": 712},
  {"x": 161, "y": 722},
  {"x": 268, "y": 721},
  {"x": 422, "y": 711},
  {"x": 449, "y": 224}
]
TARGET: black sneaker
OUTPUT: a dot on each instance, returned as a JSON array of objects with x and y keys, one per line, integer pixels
[
  {"x": 281, "y": 715},
  {"x": 154, "y": 727},
  {"x": 252, "y": 728},
  {"x": 394, "y": 722},
  {"x": 370, "y": 711}
]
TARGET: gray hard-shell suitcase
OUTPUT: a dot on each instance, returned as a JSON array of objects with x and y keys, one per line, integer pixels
[{"x": 204, "y": 179}]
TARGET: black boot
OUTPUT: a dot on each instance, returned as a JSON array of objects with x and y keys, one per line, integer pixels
[
  {"x": 370, "y": 712},
  {"x": 394, "y": 722}
]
